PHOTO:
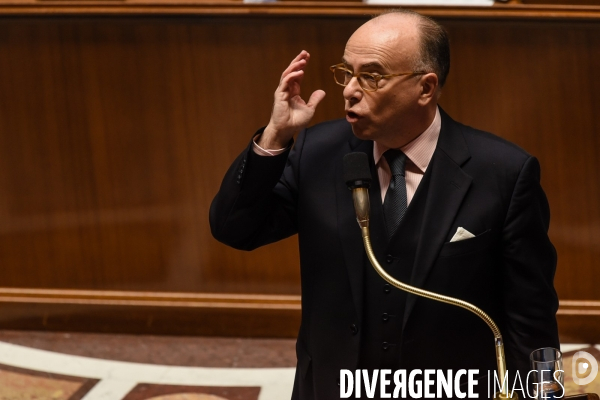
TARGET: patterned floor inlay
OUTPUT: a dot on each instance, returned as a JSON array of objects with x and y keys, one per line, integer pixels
[
  {"x": 146, "y": 391},
  {"x": 118, "y": 379},
  {"x": 188, "y": 396},
  {"x": 22, "y": 384}
]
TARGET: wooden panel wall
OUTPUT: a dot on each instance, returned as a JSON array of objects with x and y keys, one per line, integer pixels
[{"x": 116, "y": 132}]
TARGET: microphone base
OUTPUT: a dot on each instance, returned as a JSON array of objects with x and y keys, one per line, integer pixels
[{"x": 500, "y": 396}]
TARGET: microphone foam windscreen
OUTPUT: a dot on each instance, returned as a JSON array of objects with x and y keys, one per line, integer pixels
[{"x": 356, "y": 168}]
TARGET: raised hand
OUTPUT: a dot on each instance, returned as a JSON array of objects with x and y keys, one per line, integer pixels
[{"x": 290, "y": 112}]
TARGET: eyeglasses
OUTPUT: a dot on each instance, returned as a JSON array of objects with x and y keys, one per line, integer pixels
[{"x": 367, "y": 81}]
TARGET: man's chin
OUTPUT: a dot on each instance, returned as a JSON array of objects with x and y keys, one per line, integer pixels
[{"x": 363, "y": 134}]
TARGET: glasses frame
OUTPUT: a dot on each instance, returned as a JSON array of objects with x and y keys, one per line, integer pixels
[{"x": 375, "y": 76}]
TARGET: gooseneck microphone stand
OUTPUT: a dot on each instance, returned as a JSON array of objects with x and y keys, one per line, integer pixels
[{"x": 357, "y": 175}]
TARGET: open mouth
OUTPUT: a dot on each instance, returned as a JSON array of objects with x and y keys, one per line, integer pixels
[{"x": 352, "y": 116}]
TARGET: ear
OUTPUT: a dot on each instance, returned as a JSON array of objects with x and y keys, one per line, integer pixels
[{"x": 429, "y": 88}]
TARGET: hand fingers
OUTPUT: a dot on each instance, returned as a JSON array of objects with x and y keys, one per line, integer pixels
[
  {"x": 315, "y": 98},
  {"x": 301, "y": 58},
  {"x": 292, "y": 78},
  {"x": 302, "y": 55},
  {"x": 294, "y": 66}
]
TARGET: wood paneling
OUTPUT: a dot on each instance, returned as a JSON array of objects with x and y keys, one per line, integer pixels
[
  {"x": 116, "y": 132},
  {"x": 156, "y": 313},
  {"x": 125, "y": 129},
  {"x": 514, "y": 9},
  {"x": 578, "y": 321},
  {"x": 146, "y": 299},
  {"x": 201, "y": 314}
]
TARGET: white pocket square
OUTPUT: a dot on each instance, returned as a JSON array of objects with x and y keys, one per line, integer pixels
[{"x": 461, "y": 234}]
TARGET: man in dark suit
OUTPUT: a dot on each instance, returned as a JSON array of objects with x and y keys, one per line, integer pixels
[{"x": 452, "y": 183}]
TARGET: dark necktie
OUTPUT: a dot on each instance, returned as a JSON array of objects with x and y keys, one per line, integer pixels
[{"x": 395, "y": 204}]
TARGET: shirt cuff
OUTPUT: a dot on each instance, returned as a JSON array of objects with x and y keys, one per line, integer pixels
[{"x": 264, "y": 152}]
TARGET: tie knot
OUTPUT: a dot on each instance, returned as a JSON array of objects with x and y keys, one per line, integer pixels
[{"x": 396, "y": 160}]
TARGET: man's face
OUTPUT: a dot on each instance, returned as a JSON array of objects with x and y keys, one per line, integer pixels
[{"x": 388, "y": 45}]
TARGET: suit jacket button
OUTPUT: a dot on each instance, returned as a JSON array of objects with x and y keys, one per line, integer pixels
[
  {"x": 354, "y": 329},
  {"x": 385, "y": 346},
  {"x": 389, "y": 259},
  {"x": 387, "y": 288},
  {"x": 385, "y": 317}
]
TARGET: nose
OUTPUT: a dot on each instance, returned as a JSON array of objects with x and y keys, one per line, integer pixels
[{"x": 353, "y": 92}]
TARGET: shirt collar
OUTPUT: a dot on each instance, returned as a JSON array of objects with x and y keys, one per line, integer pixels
[{"x": 420, "y": 149}]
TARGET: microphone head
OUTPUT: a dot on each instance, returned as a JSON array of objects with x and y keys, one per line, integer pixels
[{"x": 356, "y": 170}]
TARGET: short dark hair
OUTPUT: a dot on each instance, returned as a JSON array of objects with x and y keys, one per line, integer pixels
[{"x": 435, "y": 45}]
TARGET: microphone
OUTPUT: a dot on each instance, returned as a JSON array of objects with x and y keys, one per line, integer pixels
[
  {"x": 357, "y": 176},
  {"x": 356, "y": 170}
]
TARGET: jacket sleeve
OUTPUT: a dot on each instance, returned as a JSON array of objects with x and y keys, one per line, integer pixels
[
  {"x": 256, "y": 203},
  {"x": 530, "y": 300}
]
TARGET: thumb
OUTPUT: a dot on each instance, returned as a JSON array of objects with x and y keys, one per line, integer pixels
[{"x": 315, "y": 98}]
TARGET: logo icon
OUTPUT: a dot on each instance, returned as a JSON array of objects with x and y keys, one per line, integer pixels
[{"x": 584, "y": 364}]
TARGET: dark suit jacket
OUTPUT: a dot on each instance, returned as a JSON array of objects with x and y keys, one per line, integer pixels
[{"x": 478, "y": 181}]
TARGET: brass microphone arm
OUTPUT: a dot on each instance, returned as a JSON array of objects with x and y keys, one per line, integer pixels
[{"x": 362, "y": 207}]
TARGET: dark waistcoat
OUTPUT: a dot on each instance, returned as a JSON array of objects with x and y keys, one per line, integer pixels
[{"x": 383, "y": 307}]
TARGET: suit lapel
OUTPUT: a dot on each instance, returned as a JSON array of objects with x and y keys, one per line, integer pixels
[
  {"x": 349, "y": 231},
  {"x": 448, "y": 186}
]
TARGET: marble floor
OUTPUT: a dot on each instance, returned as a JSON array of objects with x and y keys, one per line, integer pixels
[{"x": 81, "y": 366}]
